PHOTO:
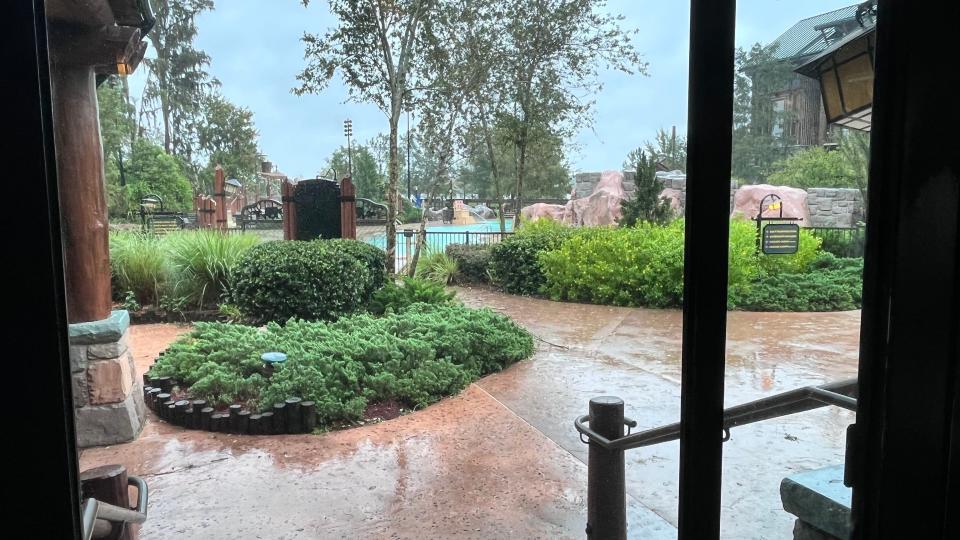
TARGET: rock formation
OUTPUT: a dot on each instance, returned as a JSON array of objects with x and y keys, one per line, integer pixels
[{"x": 746, "y": 202}]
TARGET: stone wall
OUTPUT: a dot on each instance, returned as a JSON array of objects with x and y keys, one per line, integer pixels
[
  {"x": 107, "y": 395},
  {"x": 828, "y": 207},
  {"x": 832, "y": 207}
]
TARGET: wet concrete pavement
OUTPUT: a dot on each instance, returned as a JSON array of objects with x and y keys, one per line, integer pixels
[
  {"x": 502, "y": 460},
  {"x": 635, "y": 354}
]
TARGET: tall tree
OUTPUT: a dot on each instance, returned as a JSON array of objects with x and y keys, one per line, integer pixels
[
  {"x": 548, "y": 173},
  {"x": 555, "y": 49},
  {"x": 667, "y": 149},
  {"x": 154, "y": 172},
  {"x": 646, "y": 204},
  {"x": 177, "y": 80},
  {"x": 226, "y": 135},
  {"x": 855, "y": 147},
  {"x": 117, "y": 130},
  {"x": 367, "y": 176},
  {"x": 757, "y": 144},
  {"x": 374, "y": 48}
]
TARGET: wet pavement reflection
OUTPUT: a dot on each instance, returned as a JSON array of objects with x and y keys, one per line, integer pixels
[{"x": 502, "y": 459}]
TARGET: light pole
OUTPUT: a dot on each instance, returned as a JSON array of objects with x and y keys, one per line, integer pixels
[{"x": 348, "y": 131}]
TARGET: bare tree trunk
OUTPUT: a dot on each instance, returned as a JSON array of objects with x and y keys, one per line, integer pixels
[
  {"x": 393, "y": 176},
  {"x": 521, "y": 164},
  {"x": 491, "y": 153}
]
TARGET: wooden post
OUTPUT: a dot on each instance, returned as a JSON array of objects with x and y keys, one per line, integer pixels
[
  {"x": 308, "y": 415},
  {"x": 287, "y": 190},
  {"x": 348, "y": 209},
  {"x": 109, "y": 484},
  {"x": 205, "y": 418},
  {"x": 220, "y": 193},
  {"x": 266, "y": 423},
  {"x": 293, "y": 415},
  {"x": 83, "y": 203},
  {"x": 279, "y": 418}
]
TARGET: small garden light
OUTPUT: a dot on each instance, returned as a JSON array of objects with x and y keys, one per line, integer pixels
[{"x": 273, "y": 358}]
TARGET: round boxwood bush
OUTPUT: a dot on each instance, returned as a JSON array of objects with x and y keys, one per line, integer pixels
[{"x": 315, "y": 280}]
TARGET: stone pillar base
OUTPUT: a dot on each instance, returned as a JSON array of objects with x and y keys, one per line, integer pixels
[{"x": 106, "y": 391}]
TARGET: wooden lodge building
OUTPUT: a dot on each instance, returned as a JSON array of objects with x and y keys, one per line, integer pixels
[{"x": 805, "y": 123}]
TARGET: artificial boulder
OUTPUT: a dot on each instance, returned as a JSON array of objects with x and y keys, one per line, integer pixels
[
  {"x": 602, "y": 207},
  {"x": 483, "y": 211},
  {"x": 542, "y": 210},
  {"x": 675, "y": 196},
  {"x": 746, "y": 202}
]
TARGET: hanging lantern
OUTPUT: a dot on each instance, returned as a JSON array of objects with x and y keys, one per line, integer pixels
[{"x": 845, "y": 72}]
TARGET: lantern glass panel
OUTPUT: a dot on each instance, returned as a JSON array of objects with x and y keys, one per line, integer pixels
[
  {"x": 856, "y": 80},
  {"x": 831, "y": 94}
]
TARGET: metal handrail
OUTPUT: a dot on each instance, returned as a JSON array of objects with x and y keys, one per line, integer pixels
[
  {"x": 839, "y": 394},
  {"x": 99, "y": 517}
]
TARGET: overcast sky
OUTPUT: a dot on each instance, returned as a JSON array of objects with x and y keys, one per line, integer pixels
[{"x": 256, "y": 53}]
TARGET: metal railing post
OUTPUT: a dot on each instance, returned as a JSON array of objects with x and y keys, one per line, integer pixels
[{"x": 606, "y": 489}]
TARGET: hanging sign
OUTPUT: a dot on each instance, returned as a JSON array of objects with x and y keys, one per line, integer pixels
[{"x": 780, "y": 238}]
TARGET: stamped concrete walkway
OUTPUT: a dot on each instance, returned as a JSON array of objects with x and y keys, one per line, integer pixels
[{"x": 502, "y": 460}]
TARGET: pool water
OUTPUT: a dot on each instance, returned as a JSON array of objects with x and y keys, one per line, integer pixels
[{"x": 439, "y": 236}]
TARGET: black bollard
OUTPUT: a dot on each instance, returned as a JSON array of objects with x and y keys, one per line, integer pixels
[{"x": 606, "y": 489}]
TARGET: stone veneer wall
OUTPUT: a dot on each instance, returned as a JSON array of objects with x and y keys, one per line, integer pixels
[
  {"x": 107, "y": 397},
  {"x": 829, "y": 207},
  {"x": 834, "y": 207}
]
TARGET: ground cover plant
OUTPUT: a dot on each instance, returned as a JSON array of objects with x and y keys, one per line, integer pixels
[
  {"x": 831, "y": 284},
  {"x": 396, "y": 296},
  {"x": 415, "y": 356}
]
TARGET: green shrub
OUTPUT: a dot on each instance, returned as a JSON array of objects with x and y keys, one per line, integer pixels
[
  {"x": 139, "y": 265},
  {"x": 744, "y": 266},
  {"x": 319, "y": 279},
  {"x": 472, "y": 260},
  {"x": 629, "y": 266},
  {"x": 515, "y": 262},
  {"x": 438, "y": 267},
  {"x": 203, "y": 263},
  {"x": 373, "y": 257},
  {"x": 830, "y": 284},
  {"x": 416, "y": 356},
  {"x": 395, "y": 297}
]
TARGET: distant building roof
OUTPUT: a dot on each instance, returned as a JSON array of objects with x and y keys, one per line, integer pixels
[{"x": 814, "y": 34}]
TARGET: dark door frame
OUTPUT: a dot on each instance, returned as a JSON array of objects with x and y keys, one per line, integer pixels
[
  {"x": 903, "y": 449},
  {"x": 42, "y": 471},
  {"x": 906, "y": 442}
]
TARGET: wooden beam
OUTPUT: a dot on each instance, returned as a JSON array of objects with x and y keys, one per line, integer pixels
[
  {"x": 104, "y": 46},
  {"x": 83, "y": 205},
  {"x": 91, "y": 13}
]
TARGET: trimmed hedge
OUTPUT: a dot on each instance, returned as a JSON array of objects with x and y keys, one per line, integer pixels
[
  {"x": 515, "y": 262},
  {"x": 416, "y": 356},
  {"x": 473, "y": 261},
  {"x": 315, "y": 280}
]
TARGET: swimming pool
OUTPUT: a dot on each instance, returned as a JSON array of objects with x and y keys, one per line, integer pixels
[{"x": 439, "y": 236}]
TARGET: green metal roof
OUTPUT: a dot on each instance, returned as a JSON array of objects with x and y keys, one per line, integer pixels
[{"x": 814, "y": 34}]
